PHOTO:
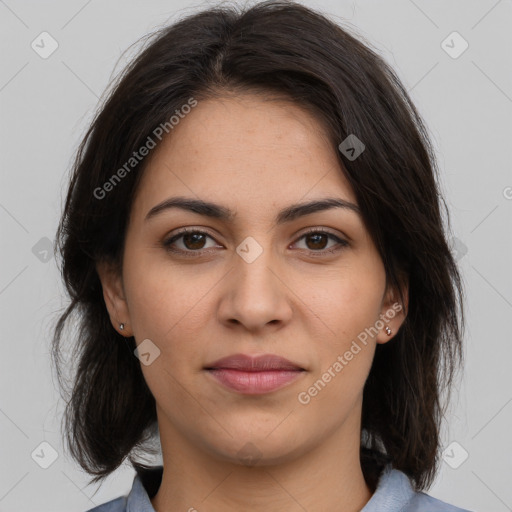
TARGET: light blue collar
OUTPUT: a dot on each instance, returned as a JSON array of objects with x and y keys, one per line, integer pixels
[{"x": 394, "y": 491}]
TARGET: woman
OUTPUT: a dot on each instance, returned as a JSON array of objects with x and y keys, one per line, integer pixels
[{"x": 254, "y": 248}]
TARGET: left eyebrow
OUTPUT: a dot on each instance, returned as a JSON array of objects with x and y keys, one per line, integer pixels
[{"x": 217, "y": 211}]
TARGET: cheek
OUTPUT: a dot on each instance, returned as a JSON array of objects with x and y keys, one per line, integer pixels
[
  {"x": 169, "y": 306},
  {"x": 164, "y": 299},
  {"x": 349, "y": 304},
  {"x": 348, "y": 301},
  {"x": 344, "y": 357}
]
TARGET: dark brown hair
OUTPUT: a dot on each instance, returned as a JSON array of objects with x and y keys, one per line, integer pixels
[{"x": 281, "y": 49}]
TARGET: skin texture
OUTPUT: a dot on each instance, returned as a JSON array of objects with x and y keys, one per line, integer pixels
[{"x": 255, "y": 157}]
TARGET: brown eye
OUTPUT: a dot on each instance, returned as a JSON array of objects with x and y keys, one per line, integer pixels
[
  {"x": 192, "y": 241},
  {"x": 316, "y": 241},
  {"x": 319, "y": 241}
]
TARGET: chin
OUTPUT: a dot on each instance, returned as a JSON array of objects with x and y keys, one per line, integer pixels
[{"x": 257, "y": 450}]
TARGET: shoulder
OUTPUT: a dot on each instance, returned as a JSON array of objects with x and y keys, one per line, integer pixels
[
  {"x": 422, "y": 502},
  {"x": 115, "y": 505},
  {"x": 144, "y": 486},
  {"x": 395, "y": 493}
]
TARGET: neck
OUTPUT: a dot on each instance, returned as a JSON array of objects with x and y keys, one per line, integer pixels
[{"x": 327, "y": 477}]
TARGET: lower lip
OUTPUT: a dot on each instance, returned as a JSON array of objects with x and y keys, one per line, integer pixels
[{"x": 255, "y": 383}]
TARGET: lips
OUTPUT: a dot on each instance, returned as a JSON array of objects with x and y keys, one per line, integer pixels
[
  {"x": 254, "y": 375},
  {"x": 247, "y": 363}
]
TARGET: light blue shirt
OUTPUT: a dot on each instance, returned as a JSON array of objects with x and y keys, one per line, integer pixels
[{"x": 394, "y": 493}]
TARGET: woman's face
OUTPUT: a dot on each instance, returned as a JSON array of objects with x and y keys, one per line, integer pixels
[{"x": 252, "y": 284}]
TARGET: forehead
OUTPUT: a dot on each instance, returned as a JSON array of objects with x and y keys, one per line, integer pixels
[{"x": 249, "y": 152}]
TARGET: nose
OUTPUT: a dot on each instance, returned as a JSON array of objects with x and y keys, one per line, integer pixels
[{"x": 256, "y": 293}]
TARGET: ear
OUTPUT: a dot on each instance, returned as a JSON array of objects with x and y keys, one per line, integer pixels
[
  {"x": 393, "y": 312},
  {"x": 113, "y": 294}
]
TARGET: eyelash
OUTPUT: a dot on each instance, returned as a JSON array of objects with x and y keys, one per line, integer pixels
[{"x": 190, "y": 253}]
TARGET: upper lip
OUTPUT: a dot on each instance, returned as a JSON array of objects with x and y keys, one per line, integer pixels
[{"x": 254, "y": 363}]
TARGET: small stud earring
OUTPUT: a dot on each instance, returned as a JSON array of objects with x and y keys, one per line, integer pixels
[
  {"x": 121, "y": 326},
  {"x": 388, "y": 330}
]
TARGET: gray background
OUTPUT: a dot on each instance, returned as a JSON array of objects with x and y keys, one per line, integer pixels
[{"x": 46, "y": 105}]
